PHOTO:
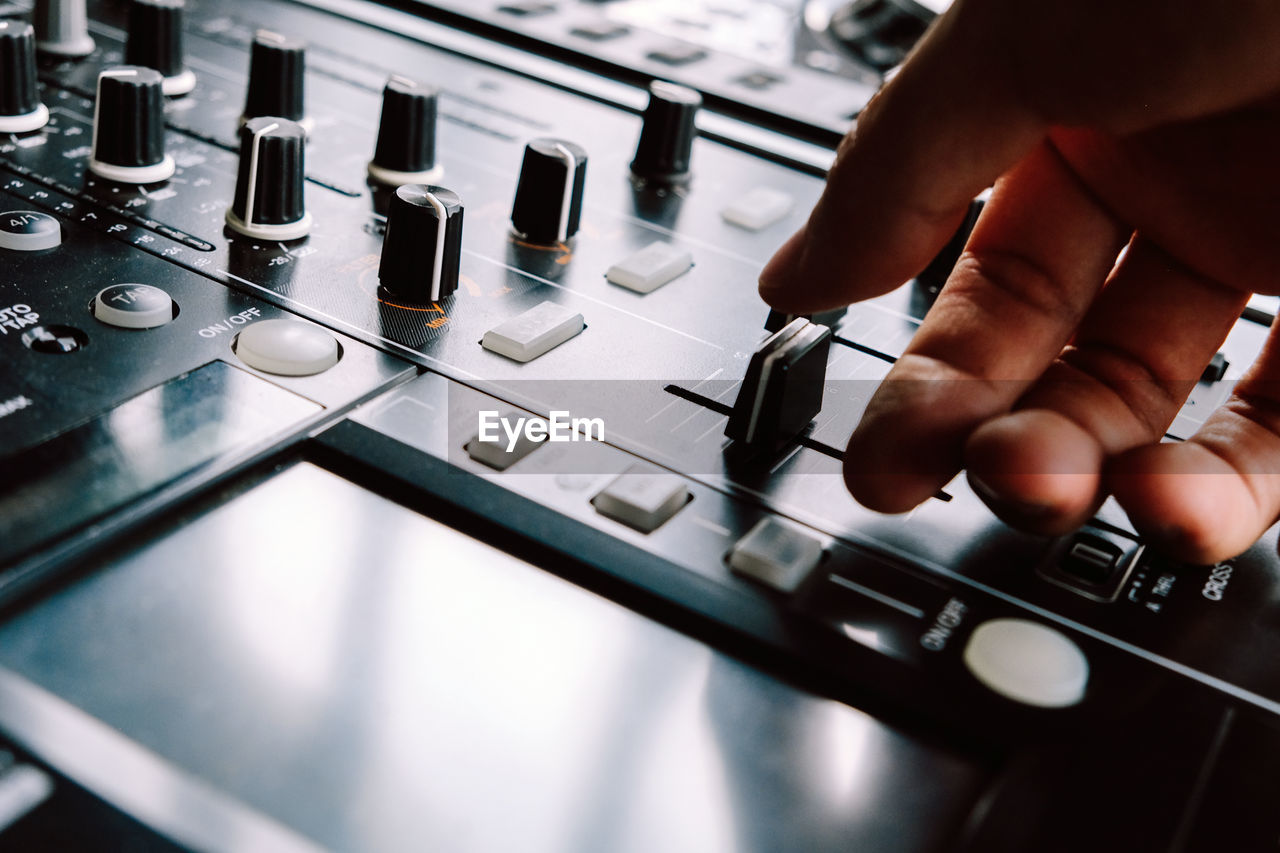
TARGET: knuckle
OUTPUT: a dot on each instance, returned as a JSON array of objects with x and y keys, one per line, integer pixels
[{"x": 1018, "y": 278}]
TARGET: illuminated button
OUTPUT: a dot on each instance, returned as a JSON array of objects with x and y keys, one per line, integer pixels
[
  {"x": 758, "y": 209},
  {"x": 133, "y": 306},
  {"x": 287, "y": 348},
  {"x": 495, "y": 453},
  {"x": 1027, "y": 662},
  {"x": 531, "y": 334},
  {"x": 650, "y": 268},
  {"x": 29, "y": 231},
  {"x": 776, "y": 555},
  {"x": 642, "y": 497}
]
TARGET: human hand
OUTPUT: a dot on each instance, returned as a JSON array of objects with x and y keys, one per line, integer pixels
[{"x": 1151, "y": 124}]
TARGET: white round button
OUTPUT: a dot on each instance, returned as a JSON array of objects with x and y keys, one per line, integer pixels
[
  {"x": 286, "y": 347},
  {"x": 1027, "y": 662},
  {"x": 29, "y": 231},
  {"x": 133, "y": 306}
]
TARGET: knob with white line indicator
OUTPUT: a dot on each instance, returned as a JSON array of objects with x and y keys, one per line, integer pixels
[
  {"x": 155, "y": 41},
  {"x": 20, "y": 107},
  {"x": 269, "y": 202},
  {"x": 423, "y": 244},
  {"x": 666, "y": 139},
  {"x": 128, "y": 127},
  {"x": 548, "y": 203},
  {"x": 277, "y": 68},
  {"x": 62, "y": 28},
  {"x": 406, "y": 148}
]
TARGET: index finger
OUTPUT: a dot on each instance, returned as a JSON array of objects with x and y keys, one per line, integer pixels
[{"x": 937, "y": 135}]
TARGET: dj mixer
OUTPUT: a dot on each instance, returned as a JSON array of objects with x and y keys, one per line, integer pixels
[{"x": 396, "y": 455}]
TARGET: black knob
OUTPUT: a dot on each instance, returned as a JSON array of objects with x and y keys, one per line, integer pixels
[
  {"x": 666, "y": 140},
  {"x": 929, "y": 281},
  {"x": 20, "y": 107},
  {"x": 269, "y": 201},
  {"x": 276, "y": 70},
  {"x": 128, "y": 127},
  {"x": 62, "y": 28},
  {"x": 155, "y": 41},
  {"x": 406, "y": 149},
  {"x": 423, "y": 245},
  {"x": 548, "y": 203}
]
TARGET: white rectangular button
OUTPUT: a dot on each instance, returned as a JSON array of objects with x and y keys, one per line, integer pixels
[
  {"x": 529, "y": 335},
  {"x": 642, "y": 497},
  {"x": 758, "y": 209},
  {"x": 495, "y": 453},
  {"x": 650, "y": 268},
  {"x": 776, "y": 555}
]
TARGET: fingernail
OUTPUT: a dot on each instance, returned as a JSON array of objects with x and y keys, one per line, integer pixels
[{"x": 1002, "y": 505}]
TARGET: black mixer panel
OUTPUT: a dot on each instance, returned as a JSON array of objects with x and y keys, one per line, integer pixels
[
  {"x": 265, "y": 261},
  {"x": 131, "y": 398}
]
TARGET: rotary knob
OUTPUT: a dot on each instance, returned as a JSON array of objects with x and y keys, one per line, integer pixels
[
  {"x": 20, "y": 107},
  {"x": 666, "y": 139},
  {"x": 548, "y": 203},
  {"x": 62, "y": 28},
  {"x": 155, "y": 41},
  {"x": 277, "y": 66},
  {"x": 128, "y": 127},
  {"x": 269, "y": 201},
  {"x": 423, "y": 221},
  {"x": 406, "y": 148}
]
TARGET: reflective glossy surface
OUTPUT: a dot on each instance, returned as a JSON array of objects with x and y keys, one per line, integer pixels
[
  {"x": 377, "y": 680},
  {"x": 136, "y": 447}
]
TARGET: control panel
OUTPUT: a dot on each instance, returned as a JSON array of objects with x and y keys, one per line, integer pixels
[{"x": 491, "y": 267}]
